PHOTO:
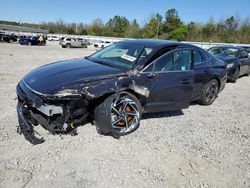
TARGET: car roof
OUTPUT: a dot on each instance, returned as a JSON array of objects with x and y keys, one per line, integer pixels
[
  {"x": 154, "y": 43},
  {"x": 228, "y": 46},
  {"x": 245, "y": 46}
]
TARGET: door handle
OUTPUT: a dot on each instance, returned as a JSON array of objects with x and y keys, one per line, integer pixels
[
  {"x": 206, "y": 71},
  {"x": 184, "y": 81}
]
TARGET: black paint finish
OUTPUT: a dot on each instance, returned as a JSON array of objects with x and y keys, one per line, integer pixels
[{"x": 79, "y": 85}]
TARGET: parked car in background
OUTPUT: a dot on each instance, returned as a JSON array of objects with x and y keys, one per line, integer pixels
[
  {"x": 115, "y": 85},
  {"x": 29, "y": 40},
  {"x": 9, "y": 38},
  {"x": 237, "y": 59},
  {"x": 53, "y": 38},
  {"x": 72, "y": 43},
  {"x": 1, "y": 35},
  {"x": 247, "y": 48},
  {"x": 102, "y": 44},
  {"x": 85, "y": 40}
]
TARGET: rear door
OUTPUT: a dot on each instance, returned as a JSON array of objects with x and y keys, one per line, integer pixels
[
  {"x": 74, "y": 43},
  {"x": 202, "y": 72},
  {"x": 171, "y": 79}
]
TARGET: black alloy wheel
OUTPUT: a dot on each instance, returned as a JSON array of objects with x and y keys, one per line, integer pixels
[{"x": 210, "y": 92}]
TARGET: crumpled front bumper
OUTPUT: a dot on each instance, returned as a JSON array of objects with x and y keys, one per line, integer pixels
[
  {"x": 59, "y": 118},
  {"x": 25, "y": 126}
]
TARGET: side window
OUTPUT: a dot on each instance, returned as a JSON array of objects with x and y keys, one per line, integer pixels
[
  {"x": 149, "y": 68},
  {"x": 196, "y": 57},
  {"x": 179, "y": 60}
]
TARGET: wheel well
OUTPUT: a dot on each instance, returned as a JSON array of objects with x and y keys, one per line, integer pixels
[
  {"x": 138, "y": 96},
  {"x": 102, "y": 98}
]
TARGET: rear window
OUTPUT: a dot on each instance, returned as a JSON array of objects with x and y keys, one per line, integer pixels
[{"x": 204, "y": 56}]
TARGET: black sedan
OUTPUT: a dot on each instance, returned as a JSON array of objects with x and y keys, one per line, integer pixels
[
  {"x": 237, "y": 59},
  {"x": 114, "y": 86},
  {"x": 9, "y": 38}
]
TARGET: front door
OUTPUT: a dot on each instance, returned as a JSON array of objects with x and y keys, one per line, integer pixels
[{"x": 171, "y": 81}]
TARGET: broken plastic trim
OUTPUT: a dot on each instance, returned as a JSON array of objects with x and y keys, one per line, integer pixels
[
  {"x": 139, "y": 89},
  {"x": 26, "y": 128}
]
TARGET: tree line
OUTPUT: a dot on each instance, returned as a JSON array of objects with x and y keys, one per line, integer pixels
[{"x": 168, "y": 26}]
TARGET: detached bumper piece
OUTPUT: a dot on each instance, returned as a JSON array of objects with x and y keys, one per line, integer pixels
[{"x": 25, "y": 127}]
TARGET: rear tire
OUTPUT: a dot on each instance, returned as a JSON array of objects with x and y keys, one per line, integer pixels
[
  {"x": 209, "y": 93},
  {"x": 118, "y": 115},
  {"x": 68, "y": 46}
]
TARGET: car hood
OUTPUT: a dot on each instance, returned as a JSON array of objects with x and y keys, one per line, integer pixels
[
  {"x": 51, "y": 78},
  {"x": 227, "y": 59}
]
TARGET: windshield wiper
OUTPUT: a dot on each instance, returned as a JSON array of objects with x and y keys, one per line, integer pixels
[
  {"x": 101, "y": 62},
  {"x": 98, "y": 61}
]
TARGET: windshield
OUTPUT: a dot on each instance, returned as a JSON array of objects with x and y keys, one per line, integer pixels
[
  {"x": 224, "y": 52},
  {"x": 120, "y": 55}
]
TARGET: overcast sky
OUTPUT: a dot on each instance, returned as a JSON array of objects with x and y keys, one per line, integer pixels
[{"x": 34, "y": 11}]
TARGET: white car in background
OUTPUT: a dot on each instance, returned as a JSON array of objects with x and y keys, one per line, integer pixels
[
  {"x": 53, "y": 38},
  {"x": 102, "y": 44}
]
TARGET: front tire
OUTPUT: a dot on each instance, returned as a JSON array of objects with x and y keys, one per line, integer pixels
[
  {"x": 210, "y": 92},
  {"x": 118, "y": 115}
]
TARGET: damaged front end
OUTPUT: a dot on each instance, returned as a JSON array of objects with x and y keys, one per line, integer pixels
[
  {"x": 59, "y": 114},
  {"x": 63, "y": 111}
]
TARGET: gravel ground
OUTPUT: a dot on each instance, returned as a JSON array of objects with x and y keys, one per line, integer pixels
[{"x": 202, "y": 146}]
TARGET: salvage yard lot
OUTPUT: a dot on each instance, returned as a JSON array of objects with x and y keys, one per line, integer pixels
[{"x": 202, "y": 146}]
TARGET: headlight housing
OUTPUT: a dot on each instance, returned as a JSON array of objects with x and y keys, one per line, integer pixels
[{"x": 67, "y": 92}]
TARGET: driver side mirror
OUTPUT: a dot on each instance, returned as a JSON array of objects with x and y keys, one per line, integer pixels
[{"x": 151, "y": 75}]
